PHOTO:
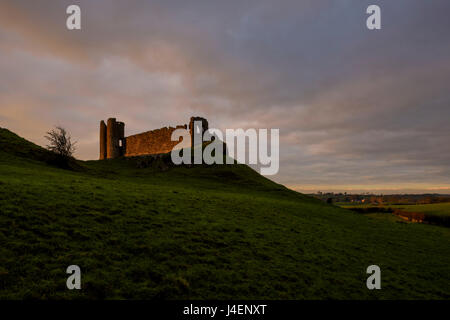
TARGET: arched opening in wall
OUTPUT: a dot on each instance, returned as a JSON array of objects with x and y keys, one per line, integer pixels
[{"x": 120, "y": 143}]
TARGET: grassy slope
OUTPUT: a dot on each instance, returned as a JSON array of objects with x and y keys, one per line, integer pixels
[{"x": 204, "y": 232}]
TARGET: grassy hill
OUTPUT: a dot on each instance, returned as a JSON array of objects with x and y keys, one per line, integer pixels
[{"x": 142, "y": 229}]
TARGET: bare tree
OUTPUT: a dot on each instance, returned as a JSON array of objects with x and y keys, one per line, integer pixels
[{"x": 60, "y": 142}]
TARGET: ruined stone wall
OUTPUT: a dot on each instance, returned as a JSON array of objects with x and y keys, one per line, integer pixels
[
  {"x": 114, "y": 144},
  {"x": 151, "y": 142}
]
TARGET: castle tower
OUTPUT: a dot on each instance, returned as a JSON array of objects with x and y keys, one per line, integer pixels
[
  {"x": 115, "y": 139},
  {"x": 112, "y": 150},
  {"x": 102, "y": 140}
]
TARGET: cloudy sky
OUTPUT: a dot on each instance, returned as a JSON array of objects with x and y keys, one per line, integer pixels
[{"x": 358, "y": 110}]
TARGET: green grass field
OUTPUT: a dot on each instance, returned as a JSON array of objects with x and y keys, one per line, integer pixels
[{"x": 206, "y": 232}]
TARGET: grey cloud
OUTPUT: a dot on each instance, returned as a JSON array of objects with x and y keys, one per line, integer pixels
[{"x": 353, "y": 106}]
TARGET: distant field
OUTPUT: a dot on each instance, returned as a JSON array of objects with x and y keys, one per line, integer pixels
[
  {"x": 442, "y": 209},
  {"x": 436, "y": 213},
  {"x": 435, "y": 208}
]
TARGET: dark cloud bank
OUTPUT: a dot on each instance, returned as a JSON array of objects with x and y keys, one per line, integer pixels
[{"x": 357, "y": 109}]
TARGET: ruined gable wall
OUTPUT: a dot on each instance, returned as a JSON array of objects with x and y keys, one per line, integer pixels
[{"x": 151, "y": 142}]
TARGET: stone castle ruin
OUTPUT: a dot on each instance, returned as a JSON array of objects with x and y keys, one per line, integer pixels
[{"x": 114, "y": 144}]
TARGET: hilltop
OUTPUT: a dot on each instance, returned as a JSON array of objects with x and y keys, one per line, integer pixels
[{"x": 140, "y": 228}]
